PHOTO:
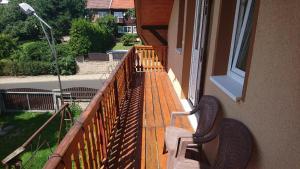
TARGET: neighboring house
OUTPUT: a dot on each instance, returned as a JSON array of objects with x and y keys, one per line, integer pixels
[{"x": 118, "y": 8}]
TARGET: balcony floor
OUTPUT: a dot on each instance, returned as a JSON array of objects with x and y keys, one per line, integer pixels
[{"x": 138, "y": 141}]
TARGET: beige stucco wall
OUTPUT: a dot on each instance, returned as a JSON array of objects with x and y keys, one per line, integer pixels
[
  {"x": 271, "y": 107},
  {"x": 178, "y": 62},
  {"x": 175, "y": 59}
]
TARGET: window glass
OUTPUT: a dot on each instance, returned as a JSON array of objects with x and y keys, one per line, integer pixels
[
  {"x": 102, "y": 13},
  {"x": 118, "y": 14},
  {"x": 241, "y": 36},
  {"x": 120, "y": 29}
]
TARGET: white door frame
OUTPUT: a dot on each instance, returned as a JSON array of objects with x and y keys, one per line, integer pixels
[{"x": 199, "y": 38}]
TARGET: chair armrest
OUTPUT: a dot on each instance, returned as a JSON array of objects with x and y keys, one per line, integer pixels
[
  {"x": 183, "y": 144},
  {"x": 173, "y": 114}
]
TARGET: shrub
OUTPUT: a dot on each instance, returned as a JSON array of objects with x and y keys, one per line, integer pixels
[
  {"x": 89, "y": 37},
  {"x": 33, "y": 68},
  {"x": 32, "y": 60},
  {"x": 109, "y": 23},
  {"x": 128, "y": 39},
  {"x": 75, "y": 110},
  {"x": 35, "y": 51},
  {"x": 8, "y": 45},
  {"x": 81, "y": 30}
]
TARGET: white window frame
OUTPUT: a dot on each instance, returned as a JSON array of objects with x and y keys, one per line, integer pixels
[
  {"x": 134, "y": 29},
  {"x": 116, "y": 14},
  {"x": 127, "y": 28},
  {"x": 102, "y": 13},
  {"x": 233, "y": 71},
  {"x": 120, "y": 29}
]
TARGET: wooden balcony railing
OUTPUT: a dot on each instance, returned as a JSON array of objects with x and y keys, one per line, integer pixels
[{"x": 87, "y": 143}]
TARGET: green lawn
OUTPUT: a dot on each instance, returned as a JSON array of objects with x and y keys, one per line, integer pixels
[
  {"x": 25, "y": 124},
  {"x": 120, "y": 46}
]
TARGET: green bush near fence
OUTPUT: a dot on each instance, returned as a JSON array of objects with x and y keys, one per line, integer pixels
[
  {"x": 128, "y": 39},
  {"x": 34, "y": 58}
]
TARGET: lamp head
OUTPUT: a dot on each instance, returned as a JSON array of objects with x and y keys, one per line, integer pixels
[{"x": 26, "y": 8}]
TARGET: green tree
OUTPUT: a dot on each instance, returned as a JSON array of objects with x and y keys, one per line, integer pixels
[
  {"x": 109, "y": 23},
  {"x": 80, "y": 32},
  {"x": 130, "y": 13},
  {"x": 8, "y": 45},
  {"x": 58, "y": 13},
  {"x": 89, "y": 37}
]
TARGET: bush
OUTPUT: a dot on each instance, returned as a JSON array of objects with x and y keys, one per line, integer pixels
[
  {"x": 89, "y": 37},
  {"x": 34, "y": 58},
  {"x": 8, "y": 45},
  {"x": 128, "y": 39},
  {"x": 75, "y": 110},
  {"x": 80, "y": 32},
  {"x": 35, "y": 51},
  {"x": 33, "y": 68},
  {"x": 109, "y": 23}
]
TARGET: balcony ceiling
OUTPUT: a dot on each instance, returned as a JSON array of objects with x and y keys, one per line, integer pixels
[{"x": 153, "y": 12}]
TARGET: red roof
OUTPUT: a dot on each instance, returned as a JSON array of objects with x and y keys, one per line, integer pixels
[
  {"x": 98, "y": 4},
  {"x": 122, "y": 4}
]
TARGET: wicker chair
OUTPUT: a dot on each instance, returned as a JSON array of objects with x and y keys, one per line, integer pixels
[
  {"x": 207, "y": 111},
  {"x": 234, "y": 149}
]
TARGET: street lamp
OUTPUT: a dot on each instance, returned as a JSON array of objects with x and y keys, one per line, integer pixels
[{"x": 28, "y": 10}]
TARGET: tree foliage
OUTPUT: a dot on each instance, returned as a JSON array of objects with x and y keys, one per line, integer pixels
[
  {"x": 130, "y": 13},
  {"x": 90, "y": 37},
  {"x": 8, "y": 45},
  {"x": 58, "y": 13},
  {"x": 109, "y": 22},
  {"x": 128, "y": 39}
]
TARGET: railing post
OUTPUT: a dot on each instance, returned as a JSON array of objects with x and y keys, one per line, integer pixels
[
  {"x": 116, "y": 96},
  {"x": 56, "y": 96},
  {"x": 2, "y": 104},
  {"x": 28, "y": 102}
]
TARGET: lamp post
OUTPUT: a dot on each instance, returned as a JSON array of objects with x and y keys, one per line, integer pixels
[{"x": 28, "y": 10}]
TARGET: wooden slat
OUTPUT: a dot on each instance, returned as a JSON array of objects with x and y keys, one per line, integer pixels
[
  {"x": 159, "y": 122},
  {"x": 149, "y": 115},
  {"x": 163, "y": 102},
  {"x": 151, "y": 148}
]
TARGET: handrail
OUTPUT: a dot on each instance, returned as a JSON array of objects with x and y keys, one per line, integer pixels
[{"x": 86, "y": 145}]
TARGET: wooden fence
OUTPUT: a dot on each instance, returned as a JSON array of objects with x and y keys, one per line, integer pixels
[{"x": 87, "y": 143}]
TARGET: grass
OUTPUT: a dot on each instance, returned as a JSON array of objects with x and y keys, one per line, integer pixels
[
  {"x": 26, "y": 123},
  {"x": 120, "y": 46}
]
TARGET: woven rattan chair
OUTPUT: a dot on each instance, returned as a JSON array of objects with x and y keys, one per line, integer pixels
[
  {"x": 207, "y": 111},
  {"x": 234, "y": 149}
]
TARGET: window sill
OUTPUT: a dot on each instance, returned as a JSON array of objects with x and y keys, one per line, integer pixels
[{"x": 229, "y": 86}]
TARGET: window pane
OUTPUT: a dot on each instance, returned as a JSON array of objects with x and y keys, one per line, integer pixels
[
  {"x": 198, "y": 24},
  {"x": 241, "y": 18},
  {"x": 243, "y": 53},
  {"x": 118, "y": 14}
]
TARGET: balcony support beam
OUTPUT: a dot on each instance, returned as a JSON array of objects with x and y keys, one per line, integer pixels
[{"x": 154, "y": 30}]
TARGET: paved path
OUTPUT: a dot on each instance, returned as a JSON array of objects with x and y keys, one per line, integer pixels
[{"x": 51, "y": 82}]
